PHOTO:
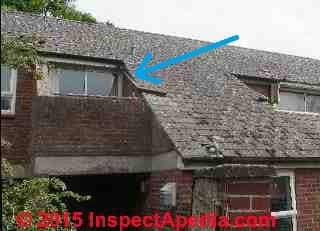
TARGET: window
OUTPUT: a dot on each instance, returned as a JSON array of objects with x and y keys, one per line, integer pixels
[
  {"x": 302, "y": 102},
  {"x": 8, "y": 89},
  {"x": 283, "y": 203},
  {"x": 84, "y": 82}
]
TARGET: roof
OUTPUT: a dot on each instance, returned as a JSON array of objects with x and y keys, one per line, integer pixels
[{"x": 206, "y": 107}]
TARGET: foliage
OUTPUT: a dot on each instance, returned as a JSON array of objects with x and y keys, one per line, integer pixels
[
  {"x": 33, "y": 195},
  {"x": 57, "y": 8},
  {"x": 73, "y": 14},
  {"x": 272, "y": 103},
  {"x": 6, "y": 168},
  {"x": 21, "y": 53}
]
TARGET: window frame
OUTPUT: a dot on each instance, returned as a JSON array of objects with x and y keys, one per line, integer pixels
[
  {"x": 293, "y": 212},
  {"x": 55, "y": 78},
  {"x": 12, "y": 93},
  {"x": 305, "y": 93}
]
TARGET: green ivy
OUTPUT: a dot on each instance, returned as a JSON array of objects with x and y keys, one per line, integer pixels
[
  {"x": 20, "y": 52},
  {"x": 58, "y": 8},
  {"x": 33, "y": 195}
]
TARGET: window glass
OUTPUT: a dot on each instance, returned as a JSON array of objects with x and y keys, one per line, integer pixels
[
  {"x": 313, "y": 103},
  {"x": 284, "y": 224},
  {"x": 282, "y": 204},
  {"x": 281, "y": 194},
  {"x": 99, "y": 83},
  {"x": 83, "y": 82},
  {"x": 71, "y": 82},
  {"x": 292, "y": 101},
  {"x": 5, "y": 78},
  {"x": 5, "y": 103},
  {"x": 8, "y": 81}
]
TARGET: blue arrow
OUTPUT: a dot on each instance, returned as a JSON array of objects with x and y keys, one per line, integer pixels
[{"x": 142, "y": 72}]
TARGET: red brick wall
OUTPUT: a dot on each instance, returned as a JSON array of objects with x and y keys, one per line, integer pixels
[
  {"x": 16, "y": 129},
  {"x": 129, "y": 90},
  {"x": 82, "y": 126},
  {"x": 308, "y": 199},
  {"x": 262, "y": 89},
  {"x": 157, "y": 180},
  {"x": 245, "y": 198},
  {"x": 94, "y": 126}
]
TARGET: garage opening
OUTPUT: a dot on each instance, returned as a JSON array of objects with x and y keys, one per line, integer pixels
[{"x": 116, "y": 194}]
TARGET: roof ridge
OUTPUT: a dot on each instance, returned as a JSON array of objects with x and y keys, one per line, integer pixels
[
  {"x": 203, "y": 41},
  {"x": 17, "y": 12},
  {"x": 154, "y": 33}
]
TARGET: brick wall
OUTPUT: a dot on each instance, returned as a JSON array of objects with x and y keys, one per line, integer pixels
[
  {"x": 78, "y": 126},
  {"x": 246, "y": 198},
  {"x": 16, "y": 129},
  {"x": 157, "y": 180},
  {"x": 262, "y": 89},
  {"x": 129, "y": 90},
  {"x": 308, "y": 199},
  {"x": 233, "y": 190}
]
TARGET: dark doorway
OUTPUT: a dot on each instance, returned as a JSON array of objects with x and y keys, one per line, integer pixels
[{"x": 115, "y": 194}]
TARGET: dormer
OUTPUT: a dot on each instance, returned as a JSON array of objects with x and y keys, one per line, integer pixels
[
  {"x": 80, "y": 77},
  {"x": 288, "y": 96},
  {"x": 299, "y": 97}
]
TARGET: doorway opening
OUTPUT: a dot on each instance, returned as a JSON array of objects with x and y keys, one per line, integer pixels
[{"x": 114, "y": 194}]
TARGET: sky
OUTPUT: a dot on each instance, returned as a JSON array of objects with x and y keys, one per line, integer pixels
[{"x": 285, "y": 26}]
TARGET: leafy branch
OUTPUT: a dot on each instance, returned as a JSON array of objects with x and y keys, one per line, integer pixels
[
  {"x": 20, "y": 52},
  {"x": 32, "y": 195}
]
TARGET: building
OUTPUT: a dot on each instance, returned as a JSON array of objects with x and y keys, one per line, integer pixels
[{"x": 210, "y": 131}]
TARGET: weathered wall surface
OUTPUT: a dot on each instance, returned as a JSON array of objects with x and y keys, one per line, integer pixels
[
  {"x": 156, "y": 180},
  {"x": 57, "y": 126},
  {"x": 72, "y": 132},
  {"x": 129, "y": 90},
  {"x": 308, "y": 199},
  {"x": 206, "y": 199},
  {"x": 16, "y": 129},
  {"x": 84, "y": 126},
  {"x": 262, "y": 89},
  {"x": 233, "y": 190}
]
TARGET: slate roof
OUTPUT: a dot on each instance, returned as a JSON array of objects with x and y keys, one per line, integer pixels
[{"x": 205, "y": 105}]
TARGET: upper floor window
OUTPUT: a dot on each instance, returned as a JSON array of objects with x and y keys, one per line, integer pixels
[
  {"x": 8, "y": 89},
  {"x": 98, "y": 82},
  {"x": 302, "y": 102}
]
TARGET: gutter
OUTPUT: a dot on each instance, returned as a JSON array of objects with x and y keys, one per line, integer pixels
[
  {"x": 250, "y": 160},
  {"x": 81, "y": 57}
]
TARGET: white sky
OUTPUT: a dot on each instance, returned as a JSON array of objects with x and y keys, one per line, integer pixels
[{"x": 286, "y": 26}]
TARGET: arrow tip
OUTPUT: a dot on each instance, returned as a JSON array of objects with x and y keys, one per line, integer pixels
[{"x": 142, "y": 71}]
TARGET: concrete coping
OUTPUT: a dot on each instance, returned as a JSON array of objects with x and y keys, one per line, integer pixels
[{"x": 233, "y": 171}]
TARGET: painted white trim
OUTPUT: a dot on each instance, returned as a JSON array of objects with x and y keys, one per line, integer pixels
[
  {"x": 299, "y": 112},
  {"x": 120, "y": 85},
  {"x": 86, "y": 82},
  {"x": 291, "y": 213},
  {"x": 284, "y": 214},
  {"x": 12, "y": 93},
  {"x": 300, "y": 89},
  {"x": 277, "y": 166},
  {"x": 295, "y": 166}
]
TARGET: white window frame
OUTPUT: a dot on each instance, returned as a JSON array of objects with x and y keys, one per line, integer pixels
[
  {"x": 290, "y": 213},
  {"x": 11, "y": 93},
  {"x": 305, "y": 94}
]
